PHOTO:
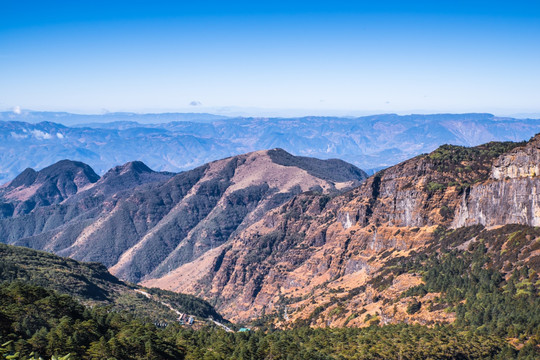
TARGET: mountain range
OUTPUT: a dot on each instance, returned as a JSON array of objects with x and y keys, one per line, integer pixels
[
  {"x": 178, "y": 142},
  {"x": 273, "y": 239},
  {"x": 346, "y": 259},
  {"x": 141, "y": 223},
  {"x": 304, "y": 240}
]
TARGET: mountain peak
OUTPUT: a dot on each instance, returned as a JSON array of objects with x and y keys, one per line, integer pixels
[
  {"x": 26, "y": 178},
  {"x": 51, "y": 185},
  {"x": 136, "y": 166},
  {"x": 330, "y": 169},
  {"x": 129, "y": 169},
  {"x": 129, "y": 175},
  {"x": 68, "y": 168}
]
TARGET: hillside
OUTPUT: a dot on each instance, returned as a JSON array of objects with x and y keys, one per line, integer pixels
[
  {"x": 445, "y": 237},
  {"x": 139, "y": 222},
  {"x": 93, "y": 285},
  {"x": 38, "y": 322}
]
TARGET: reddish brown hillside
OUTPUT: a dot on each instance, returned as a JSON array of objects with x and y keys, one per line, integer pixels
[{"x": 341, "y": 261}]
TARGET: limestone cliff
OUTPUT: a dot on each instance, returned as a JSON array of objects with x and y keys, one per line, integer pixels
[{"x": 511, "y": 195}]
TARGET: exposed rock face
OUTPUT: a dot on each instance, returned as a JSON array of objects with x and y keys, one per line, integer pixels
[
  {"x": 313, "y": 246},
  {"x": 138, "y": 222},
  {"x": 514, "y": 201},
  {"x": 512, "y": 195},
  {"x": 519, "y": 163}
]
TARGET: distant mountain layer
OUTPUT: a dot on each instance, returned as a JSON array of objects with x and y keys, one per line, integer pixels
[
  {"x": 137, "y": 221},
  {"x": 177, "y": 142}
]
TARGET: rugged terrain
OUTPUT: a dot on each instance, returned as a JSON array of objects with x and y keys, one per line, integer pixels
[
  {"x": 297, "y": 241},
  {"x": 367, "y": 256},
  {"x": 141, "y": 223}
]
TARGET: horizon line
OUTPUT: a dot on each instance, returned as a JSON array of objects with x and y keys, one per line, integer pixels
[{"x": 238, "y": 112}]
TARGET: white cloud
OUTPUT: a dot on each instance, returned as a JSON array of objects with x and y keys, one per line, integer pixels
[
  {"x": 18, "y": 136},
  {"x": 60, "y": 136},
  {"x": 40, "y": 135},
  {"x": 17, "y": 110}
]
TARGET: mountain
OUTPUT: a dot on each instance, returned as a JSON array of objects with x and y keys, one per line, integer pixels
[
  {"x": 68, "y": 182},
  {"x": 179, "y": 142},
  {"x": 49, "y": 186},
  {"x": 448, "y": 236},
  {"x": 138, "y": 222},
  {"x": 93, "y": 285}
]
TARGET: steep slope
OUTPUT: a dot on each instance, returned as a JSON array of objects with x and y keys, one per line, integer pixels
[
  {"x": 138, "y": 222},
  {"x": 323, "y": 260},
  {"x": 212, "y": 203},
  {"x": 511, "y": 196}
]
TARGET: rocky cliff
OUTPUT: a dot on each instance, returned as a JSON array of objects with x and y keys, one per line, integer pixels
[{"x": 511, "y": 195}]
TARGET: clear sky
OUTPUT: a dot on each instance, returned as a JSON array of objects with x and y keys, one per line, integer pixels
[{"x": 342, "y": 57}]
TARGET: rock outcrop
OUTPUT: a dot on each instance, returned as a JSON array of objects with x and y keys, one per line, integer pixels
[{"x": 511, "y": 195}]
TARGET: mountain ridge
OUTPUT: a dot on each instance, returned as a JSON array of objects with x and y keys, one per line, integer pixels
[{"x": 137, "y": 221}]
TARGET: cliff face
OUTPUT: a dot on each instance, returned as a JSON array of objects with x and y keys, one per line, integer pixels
[
  {"x": 516, "y": 200},
  {"x": 511, "y": 195},
  {"x": 331, "y": 256}
]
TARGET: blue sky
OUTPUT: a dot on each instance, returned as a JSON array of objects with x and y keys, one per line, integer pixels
[{"x": 284, "y": 58}]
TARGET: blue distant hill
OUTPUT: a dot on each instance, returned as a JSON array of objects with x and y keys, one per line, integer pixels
[{"x": 176, "y": 142}]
